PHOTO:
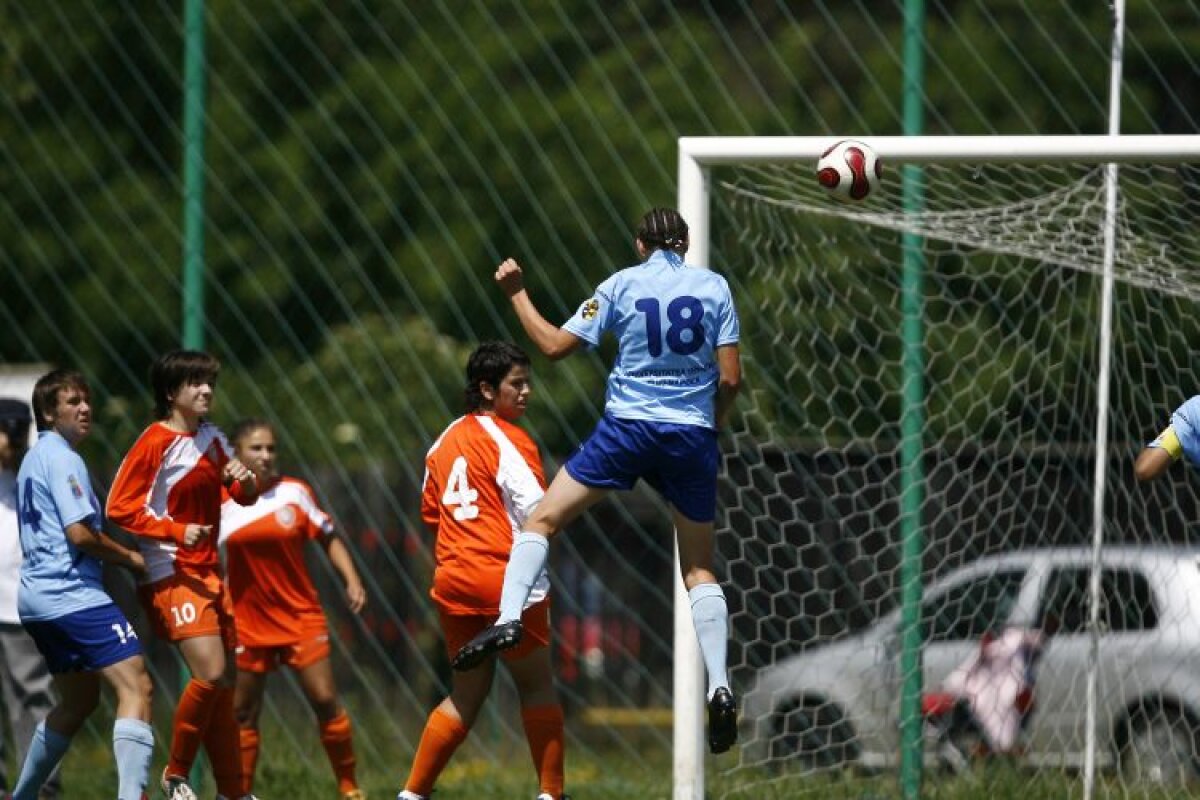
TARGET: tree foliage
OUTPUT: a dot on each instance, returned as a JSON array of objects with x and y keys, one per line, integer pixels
[{"x": 368, "y": 163}]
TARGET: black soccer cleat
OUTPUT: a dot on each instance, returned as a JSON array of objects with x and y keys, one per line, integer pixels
[
  {"x": 722, "y": 721},
  {"x": 492, "y": 640}
]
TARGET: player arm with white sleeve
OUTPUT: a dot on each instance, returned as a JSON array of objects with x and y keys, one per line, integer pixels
[{"x": 1181, "y": 438}]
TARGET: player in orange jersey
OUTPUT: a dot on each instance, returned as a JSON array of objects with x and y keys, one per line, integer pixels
[
  {"x": 482, "y": 478},
  {"x": 279, "y": 616},
  {"x": 168, "y": 493}
]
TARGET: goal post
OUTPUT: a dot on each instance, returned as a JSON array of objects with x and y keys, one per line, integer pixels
[{"x": 1011, "y": 223}]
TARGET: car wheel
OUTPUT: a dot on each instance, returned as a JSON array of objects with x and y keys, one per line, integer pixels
[
  {"x": 815, "y": 735},
  {"x": 1160, "y": 748}
]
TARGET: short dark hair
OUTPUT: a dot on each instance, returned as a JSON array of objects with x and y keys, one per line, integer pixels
[
  {"x": 15, "y": 418},
  {"x": 489, "y": 363},
  {"x": 247, "y": 426},
  {"x": 45, "y": 392},
  {"x": 663, "y": 228},
  {"x": 174, "y": 369}
]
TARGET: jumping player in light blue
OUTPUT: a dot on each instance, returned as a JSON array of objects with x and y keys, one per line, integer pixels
[
  {"x": 61, "y": 600},
  {"x": 676, "y": 375},
  {"x": 1180, "y": 439}
]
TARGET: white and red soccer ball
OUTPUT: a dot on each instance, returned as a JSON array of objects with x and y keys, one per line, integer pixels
[{"x": 850, "y": 171}]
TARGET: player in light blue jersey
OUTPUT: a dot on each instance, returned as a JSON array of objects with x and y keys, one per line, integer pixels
[
  {"x": 1180, "y": 439},
  {"x": 677, "y": 372},
  {"x": 61, "y": 600}
]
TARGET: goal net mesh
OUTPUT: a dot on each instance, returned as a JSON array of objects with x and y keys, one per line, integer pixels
[{"x": 1011, "y": 284}]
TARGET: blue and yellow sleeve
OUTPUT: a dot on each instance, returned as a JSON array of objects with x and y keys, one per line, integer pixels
[{"x": 1169, "y": 440}]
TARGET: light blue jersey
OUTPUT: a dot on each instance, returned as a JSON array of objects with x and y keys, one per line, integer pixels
[
  {"x": 669, "y": 319},
  {"x": 53, "y": 491}
]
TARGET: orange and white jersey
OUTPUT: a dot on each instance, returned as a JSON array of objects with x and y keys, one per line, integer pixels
[
  {"x": 167, "y": 481},
  {"x": 274, "y": 600},
  {"x": 483, "y": 477}
]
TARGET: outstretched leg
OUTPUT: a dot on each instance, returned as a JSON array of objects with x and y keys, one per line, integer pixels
[{"x": 565, "y": 500}]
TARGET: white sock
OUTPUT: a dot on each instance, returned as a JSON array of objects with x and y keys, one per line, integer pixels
[
  {"x": 710, "y": 615},
  {"x": 133, "y": 746},
  {"x": 46, "y": 749},
  {"x": 407, "y": 795},
  {"x": 525, "y": 563}
]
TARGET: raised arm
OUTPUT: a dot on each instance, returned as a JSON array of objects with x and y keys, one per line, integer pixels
[{"x": 553, "y": 342}]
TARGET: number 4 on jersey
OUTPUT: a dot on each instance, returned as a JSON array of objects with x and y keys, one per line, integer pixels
[
  {"x": 28, "y": 511},
  {"x": 459, "y": 493}
]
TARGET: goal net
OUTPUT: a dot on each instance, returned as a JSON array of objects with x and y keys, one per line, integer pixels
[{"x": 1012, "y": 253}]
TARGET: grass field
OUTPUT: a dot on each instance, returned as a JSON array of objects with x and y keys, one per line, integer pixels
[{"x": 295, "y": 769}]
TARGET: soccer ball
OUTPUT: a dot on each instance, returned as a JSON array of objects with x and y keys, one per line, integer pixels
[{"x": 849, "y": 171}]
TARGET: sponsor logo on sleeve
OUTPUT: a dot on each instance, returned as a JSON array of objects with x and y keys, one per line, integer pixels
[
  {"x": 76, "y": 489},
  {"x": 590, "y": 309}
]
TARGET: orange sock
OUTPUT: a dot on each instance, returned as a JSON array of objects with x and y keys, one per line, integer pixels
[
  {"x": 192, "y": 717},
  {"x": 222, "y": 742},
  {"x": 544, "y": 730},
  {"x": 336, "y": 738},
  {"x": 442, "y": 736},
  {"x": 248, "y": 738}
]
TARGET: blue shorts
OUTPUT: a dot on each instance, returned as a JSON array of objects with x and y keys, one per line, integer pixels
[
  {"x": 679, "y": 461},
  {"x": 85, "y": 641}
]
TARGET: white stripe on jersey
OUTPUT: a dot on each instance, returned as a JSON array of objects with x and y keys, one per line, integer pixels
[
  {"x": 180, "y": 458},
  {"x": 521, "y": 492},
  {"x": 516, "y": 480},
  {"x": 235, "y": 517}
]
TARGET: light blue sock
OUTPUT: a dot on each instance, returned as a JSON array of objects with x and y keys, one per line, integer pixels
[
  {"x": 525, "y": 564},
  {"x": 133, "y": 746},
  {"x": 46, "y": 749},
  {"x": 710, "y": 615}
]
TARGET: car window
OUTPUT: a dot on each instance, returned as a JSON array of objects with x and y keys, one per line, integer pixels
[
  {"x": 970, "y": 609},
  {"x": 1126, "y": 601}
]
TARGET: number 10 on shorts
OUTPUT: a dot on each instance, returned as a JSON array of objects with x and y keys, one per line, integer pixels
[{"x": 184, "y": 614}]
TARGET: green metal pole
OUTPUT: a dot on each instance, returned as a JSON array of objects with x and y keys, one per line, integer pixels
[
  {"x": 193, "y": 215},
  {"x": 193, "y": 175},
  {"x": 912, "y": 477}
]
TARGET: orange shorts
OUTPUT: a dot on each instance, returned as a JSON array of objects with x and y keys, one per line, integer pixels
[
  {"x": 305, "y": 651},
  {"x": 461, "y": 628},
  {"x": 190, "y": 604}
]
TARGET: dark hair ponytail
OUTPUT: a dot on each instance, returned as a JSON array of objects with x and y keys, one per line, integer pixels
[{"x": 663, "y": 229}]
